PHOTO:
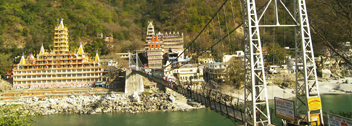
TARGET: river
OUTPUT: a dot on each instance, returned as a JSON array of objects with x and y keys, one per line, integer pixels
[{"x": 202, "y": 117}]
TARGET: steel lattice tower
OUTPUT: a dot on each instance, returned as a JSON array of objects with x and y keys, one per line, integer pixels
[
  {"x": 256, "y": 98},
  {"x": 304, "y": 60}
]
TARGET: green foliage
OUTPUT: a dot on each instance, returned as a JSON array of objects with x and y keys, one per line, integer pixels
[
  {"x": 276, "y": 53},
  {"x": 119, "y": 36},
  {"x": 25, "y": 31},
  {"x": 97, "y": 44},
  {"x": 146, "y": 93},
  {"x": 124, "y": 23},
  {"x": 33, "y": 22},
  {"x": 344, "y": 73},
  {"x": 5, "y": 65},
  {"x": 11, "y": 115},
  {"x": 278, "y": 82},
  {"x": 235, "y": 73}
]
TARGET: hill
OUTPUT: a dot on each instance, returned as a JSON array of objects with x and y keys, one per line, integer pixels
[{"x": 26, "y": 24}]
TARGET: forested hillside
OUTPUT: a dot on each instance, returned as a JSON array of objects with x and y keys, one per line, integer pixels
[{"x": 26, "y": 24}]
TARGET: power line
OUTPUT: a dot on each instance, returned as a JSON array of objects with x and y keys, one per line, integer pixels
[
  {"x": 200, "y": 31},
  {"x": 232, "y": 30},
  {"x": 223, "y": 38}
]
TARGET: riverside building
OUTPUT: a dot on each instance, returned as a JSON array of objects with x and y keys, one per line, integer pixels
[
  {"x": 155, "y": 54},
  {"x": 171, "y": 43},
  {"x": 59, "y": 68}
]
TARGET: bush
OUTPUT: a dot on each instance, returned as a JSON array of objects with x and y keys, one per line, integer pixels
[
  {"x": 25, "y": 31},
  {"x": 124, "y": 23},
  {"x": 12, "y": 116},
  {"x": 146, "y": 93},
  {"x": 279, "y": 82},
  {"x": 343, "y": 73}
]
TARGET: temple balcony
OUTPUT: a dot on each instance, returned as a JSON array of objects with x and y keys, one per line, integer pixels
[
  {"x": 65, "y": 29},
  {"x": 172, "y": 43},
  {"x": 63, "y": 37},
  {"x": 51, "y": 78},
  {"x": 61, "y": 33},
  {"x": 159, "y": 58},
  {"x": 154, "y": 54},
  {"x": 61, "y": 46},
  {"x": 176, "y": 40},
  {"x": 60, "y": 41},
  {"x": 60, "y": 50},
  {"x": 154, "y": 62},
  {"x": 156, "y": 50}
]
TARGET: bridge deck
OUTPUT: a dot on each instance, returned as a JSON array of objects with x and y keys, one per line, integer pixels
[
  {"x": 217, "y": 103},
  {"x": 231, "y": 107}
]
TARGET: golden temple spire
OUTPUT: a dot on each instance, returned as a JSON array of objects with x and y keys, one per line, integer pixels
[
  {"x": 42, "y": 51},
  {"x": 80, "y": 49},
  {"x": 97, "y": 59},
  {"x": 61, "y": 25},
  {"x": 23, "y": 60}
]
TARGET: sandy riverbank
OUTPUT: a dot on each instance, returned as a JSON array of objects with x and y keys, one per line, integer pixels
[
  {"x": 335, "y": 86},
  {"x": 325, "y": 87}
]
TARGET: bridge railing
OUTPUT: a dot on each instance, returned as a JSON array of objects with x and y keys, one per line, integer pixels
[{"x": 227, "y": 105}]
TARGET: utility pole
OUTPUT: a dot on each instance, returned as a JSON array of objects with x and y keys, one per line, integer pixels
[
  {"x": 129, "y": 58},
  {"x": 136, "y": 60}
]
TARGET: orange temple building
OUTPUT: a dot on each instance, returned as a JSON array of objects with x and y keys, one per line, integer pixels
[
  {"x": 170, "y": 43},
  {"x": 59, "y": 68},
  {"x": 155, "y": 54}
]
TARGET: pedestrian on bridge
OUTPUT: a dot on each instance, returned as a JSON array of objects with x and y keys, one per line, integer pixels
[
  {"x": 209, "y": 95},
  {"x": 189, "y": 90}
]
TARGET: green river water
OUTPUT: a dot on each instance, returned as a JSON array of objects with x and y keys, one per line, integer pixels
[{"x": 203, "y": 117}]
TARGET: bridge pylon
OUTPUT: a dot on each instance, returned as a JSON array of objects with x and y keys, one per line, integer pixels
[
  {"x": 305, "y": 67},
  {"x": 256, "y": 98}
]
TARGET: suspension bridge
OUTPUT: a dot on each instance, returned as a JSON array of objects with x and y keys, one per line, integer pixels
[{"x": 253, "y": 108}]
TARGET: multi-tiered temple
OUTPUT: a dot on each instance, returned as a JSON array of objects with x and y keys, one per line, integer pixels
[
  {"x": 155, "y": 54},
  {"x": 58, "y": 68},
  {"x": 170, "y": 43}
]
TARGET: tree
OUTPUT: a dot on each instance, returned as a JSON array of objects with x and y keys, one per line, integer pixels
[
  {"x": 235, "y": 72},
  {"x": 11, "y": 115},
  {"x": 332, "y": 24},
  {"x": 275, "y": 52},
  {"x": 5, "y": 63}
]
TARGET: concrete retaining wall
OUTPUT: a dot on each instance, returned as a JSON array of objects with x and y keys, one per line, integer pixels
[{"x": 133, "y": 83}]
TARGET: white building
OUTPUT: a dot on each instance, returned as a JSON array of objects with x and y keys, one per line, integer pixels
[
  {"x": 188, "y": 73},
  {"x": 239, "y": 54},
  {"x": 112, "y": 63}
]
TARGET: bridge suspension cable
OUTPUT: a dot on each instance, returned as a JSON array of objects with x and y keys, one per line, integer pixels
[
  {"x": 222, "y": 38},
  {"x": 231, "y": 31},
  {"x": 227, "y": 29},
  {"x": 189, "y": 45},
  {"x": 256, "y": 97}
]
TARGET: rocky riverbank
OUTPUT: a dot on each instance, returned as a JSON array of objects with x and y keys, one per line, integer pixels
[{"x": 105, "y": 104}]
